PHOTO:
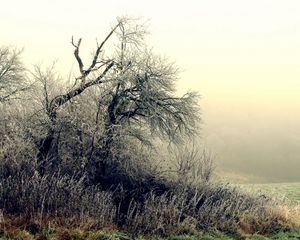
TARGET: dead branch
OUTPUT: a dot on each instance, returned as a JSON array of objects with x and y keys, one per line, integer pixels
[
  {"x": 76, "y": 54},
  {"x": 62, "y": 99},
  {"x": 92, "y": 67}
]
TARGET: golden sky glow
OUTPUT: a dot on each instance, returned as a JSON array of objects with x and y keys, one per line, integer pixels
[{"x": 242, "y": 56}]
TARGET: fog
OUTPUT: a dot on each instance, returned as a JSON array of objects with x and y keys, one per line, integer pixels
[
  {"x": 242, "y": 57},
  {"x": 258, "y": 142}
]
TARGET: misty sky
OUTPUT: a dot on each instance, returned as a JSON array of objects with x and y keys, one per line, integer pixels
[{"x": 242, "y": 56}]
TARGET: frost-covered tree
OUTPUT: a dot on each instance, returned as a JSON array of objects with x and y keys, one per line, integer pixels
[
  {"x": 136, "y": 94},
  {"x": 12, "y": 73}
]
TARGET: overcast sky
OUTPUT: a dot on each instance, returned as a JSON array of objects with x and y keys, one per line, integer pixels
[{"x": 242, "y": 56}]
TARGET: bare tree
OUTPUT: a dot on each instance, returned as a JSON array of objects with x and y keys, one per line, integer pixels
[
  {"x": 91, "y": 76},
  {"x": 137, "y": 96},
  {"x": 12, "y": 73},
  {"x": 140, "y": 102}
]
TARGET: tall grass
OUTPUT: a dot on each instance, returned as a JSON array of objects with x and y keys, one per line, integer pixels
[
  {"x": 215, "y": 206},
  {"x": 24, "y": 192},
  {"x": 67, "y": 199}
]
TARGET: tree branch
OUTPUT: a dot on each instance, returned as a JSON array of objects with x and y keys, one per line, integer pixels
[
  {"x": 99, "y": 47},
  {"x": 62, "y": 99},
  {"x": 76, "y": 53}
]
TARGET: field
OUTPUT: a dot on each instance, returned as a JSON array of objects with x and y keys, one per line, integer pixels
[{"x": 290, "y": 191}]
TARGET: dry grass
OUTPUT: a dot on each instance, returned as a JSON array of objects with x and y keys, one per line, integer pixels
[
  {"x": 62, "y": 198},
  {"x": 30, "y": 201},
  {"x": 173, "y": 213},
  {"x": 211, "y": 206},
  {"x": 65, "y": 199}
]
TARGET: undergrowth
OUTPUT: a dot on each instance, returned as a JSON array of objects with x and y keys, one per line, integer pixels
[{"x": 138, "y": 201}]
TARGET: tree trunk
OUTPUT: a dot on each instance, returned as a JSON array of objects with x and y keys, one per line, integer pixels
[{"x": 48, "y": 157}]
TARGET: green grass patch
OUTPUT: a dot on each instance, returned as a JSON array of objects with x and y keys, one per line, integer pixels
[
  {"x": 101, "y": 235},
  {"x": 290, "y": 191}
]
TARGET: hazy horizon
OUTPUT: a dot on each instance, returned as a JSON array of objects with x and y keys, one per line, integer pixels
[{"x": 242, "y": 57}]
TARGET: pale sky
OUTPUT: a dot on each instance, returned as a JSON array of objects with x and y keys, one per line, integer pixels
[{"x": 242, "y": 56}]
